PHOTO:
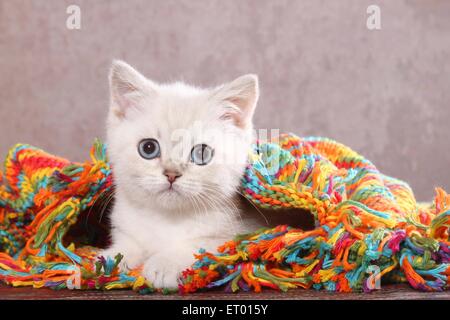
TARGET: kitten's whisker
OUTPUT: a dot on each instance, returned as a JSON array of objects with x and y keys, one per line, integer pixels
[
  {"x": 221, "y": 204},
  {"x": 254, "y": 206},
  {"x": 195, "y": 205},
  {"x": 239, "y": 192},
  {"x": 105, "y": 205},
  {"x": 109, "y": 193}
]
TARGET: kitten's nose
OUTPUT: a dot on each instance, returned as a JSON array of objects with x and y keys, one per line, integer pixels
[{"x": 171, "y": 175}]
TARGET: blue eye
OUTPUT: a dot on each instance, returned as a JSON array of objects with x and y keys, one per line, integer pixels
[
  {"x": 149, "y": 149},
  {"x": 202, "y": 154}
]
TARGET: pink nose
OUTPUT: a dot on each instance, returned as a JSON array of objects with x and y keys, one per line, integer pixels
[{"x": 171, "y": 175}]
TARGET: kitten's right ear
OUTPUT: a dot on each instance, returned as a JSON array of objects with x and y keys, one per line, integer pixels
[
  {"x": 241, "y": 96},
  {"x": 127, "y": 87}
]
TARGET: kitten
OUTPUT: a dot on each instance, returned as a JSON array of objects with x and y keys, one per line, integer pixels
[{"x": 170, "y": 147}]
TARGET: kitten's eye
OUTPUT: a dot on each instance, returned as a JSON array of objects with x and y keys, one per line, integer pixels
[
  {"x": 202, "y": 154},
  {"x": 149, "y": 149}
]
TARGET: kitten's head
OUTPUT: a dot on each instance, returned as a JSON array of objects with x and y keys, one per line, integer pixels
[{"x": 176, "y": 146}]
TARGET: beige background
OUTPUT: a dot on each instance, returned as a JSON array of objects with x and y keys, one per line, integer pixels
[{"x": 385, "y": 93}]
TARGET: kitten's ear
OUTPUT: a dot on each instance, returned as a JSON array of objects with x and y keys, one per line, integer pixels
[
  {"x": 127, "y": 88},
  {"x": 240, "y": 97}
]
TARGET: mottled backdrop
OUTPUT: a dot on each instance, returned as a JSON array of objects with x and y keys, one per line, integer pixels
[{"x": 386, "y": 93}]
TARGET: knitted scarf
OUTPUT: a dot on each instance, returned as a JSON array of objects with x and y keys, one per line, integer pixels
[{"x": 368, "y": 226}]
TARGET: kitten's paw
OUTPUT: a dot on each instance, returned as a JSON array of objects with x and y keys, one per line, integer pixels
[
  {"x": 129, "y": 260},
  {"x": 163, "y": 272}
]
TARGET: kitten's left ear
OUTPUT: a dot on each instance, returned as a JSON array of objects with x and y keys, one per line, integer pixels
[{"x": 240, "y": 98}]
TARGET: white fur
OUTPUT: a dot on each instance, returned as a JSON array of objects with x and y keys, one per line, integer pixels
[{"x": 162, "y": 228}]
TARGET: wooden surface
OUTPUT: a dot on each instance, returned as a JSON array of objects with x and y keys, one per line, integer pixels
[{"x": 386, "y": 293}]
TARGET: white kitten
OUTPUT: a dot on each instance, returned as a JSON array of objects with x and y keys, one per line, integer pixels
[{"x": 175, "y": 179}]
